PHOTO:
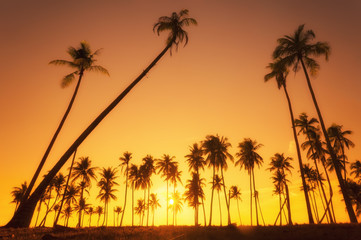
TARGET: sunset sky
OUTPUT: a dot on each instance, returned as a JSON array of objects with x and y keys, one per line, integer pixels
[{"x": 212, "y": 86}]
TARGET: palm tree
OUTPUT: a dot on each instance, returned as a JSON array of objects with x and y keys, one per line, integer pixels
[
  {"x": 174, "y": 177},
  {"x": 83, "y": 59},
  {"x": 80, "y": 207},
  {"x": 177, "y": 205},
  {"x": 177, "y": 35},
  {"x": 149, "y": 169},
  {"x": 99, "y": 210},
  {"x": 298, "y": 49},
  {"x": 282, "y": 164},
  {"x": 127, "y": 156},
  {"x": 18, "y": 194},
  {"x": 84, "y": 172},
  {"x": 140, "y": 209},
  {"x": 163, "y": 166},
  {"x": 356, "y": 169},
  {"x": 118, "y": 210},
  {"x": 248, "y": 158},
  {"x": 279, "y": 181},
  {"x": 216, "y": 149},
  {"x": 49, "y": 196},
  {"x": 133, "y": 178},
  {"x": 339, "y": 141},
  {"x": 106, "y": 185},
  {"x": 217, "y": 185},
  {"x": 154, "y": 204},
  {"x": 194, "y": 192},
  {"x": 67, "y": 212},
  {"x": 354, "y": 191},
  {"x": 195, "y": 162},
  {"x": 235, "y": 193},
  {"x": 279, "y": 72},
  {"x": 91, "y": 210},
  {"x": 41, "y": 201}
]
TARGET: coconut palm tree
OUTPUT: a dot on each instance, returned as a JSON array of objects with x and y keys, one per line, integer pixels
[
  {"x": 67, "y": 212},
  {"x": 339, "y": 141},
  {"x": 140, "y": 209},
  {"x": 298, "y": 49},
  {"x": 248, "y": 159},
  {"x": 163, "y": 166},
  {"x": 282, "y": 164},
  {"x": 195, "y": 162},
  {"x": 356, "y": 169},
  {"x": 174, "y": 178},
  {"x": 91, "y": 211},
  {"x": 279, "y": 72},
  {"x": 177, "y": 205},
  {"x": 18, "y": 194},
  {"x": 41, "y": 201},
  {"x": 177, "y": 35},
  {"x": 49, "y": 195},
  {"x": 83, "y": 60},
  {"x": 99, "y": 210},
  {"x": 217, "y": 185},
  {"x": 106, "y": 185},
  {"x": 149, "y": 169},
  {"x": 154, "y": 204},
  {"x": 81, "y": 206},
  {"x": 354, "y": 191},
  {"x": 235, "y": 193},
  {"x": 216, "y": 149},
  {"x": 118, "y": 210},
  {"x": 83, "y": 171},
  {"x": 133, "y": 178},
  {"x": 279, "y": 180},
  {"x": 194, "y": 192},
  {"x": 125, "y": 159}
]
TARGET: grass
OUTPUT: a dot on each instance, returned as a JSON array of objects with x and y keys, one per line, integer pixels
[{"x": 296, "y": 232}]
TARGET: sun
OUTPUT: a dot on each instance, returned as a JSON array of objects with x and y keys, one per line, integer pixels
[{"x": 171, "y": 201}]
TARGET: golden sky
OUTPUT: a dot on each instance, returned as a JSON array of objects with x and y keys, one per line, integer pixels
[{"x": 212, "y": 86}]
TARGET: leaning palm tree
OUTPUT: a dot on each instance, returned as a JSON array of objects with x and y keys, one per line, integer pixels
[
  {"x": 127, "y": 156},
  {"x": 154, "y": 204},
  {"x": 248, "y": 159},
  {"x": 298, "y": 49},
  {"x": 195, "y": 162},
  {"x": 339, "y": 141},
  {"x": 106, "y": 185},
  {"x": 216, "y": 149},
  {"x": 163, "y": 166},
  {"x": 235, "y": 193},
  {"x": 356, "y": 169},
  {"x": 279, "y": 72},
  {"x": 18, "y": 194},
  {"x": 83, "y": 60},
  {"x": 177, "y": 35},
  {"x": 194, "y": 192},
  {"x": 83, "y": 171}
]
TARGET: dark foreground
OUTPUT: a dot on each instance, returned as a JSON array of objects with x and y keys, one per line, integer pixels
[{"x": 297, "y": 232}]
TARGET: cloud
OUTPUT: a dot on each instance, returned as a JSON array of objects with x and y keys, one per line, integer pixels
[{"x": 292, "y": 147}]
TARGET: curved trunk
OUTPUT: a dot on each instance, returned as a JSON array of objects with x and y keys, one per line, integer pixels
[
  {"x": 330, "y": 189},
  {"x": 288, "y": 205},
  {"x": 24, "y": 214},
  {"x": 46, "y": 154},
  {"x": 225, "y": 197},
  {"x": 210, "y": 215},
  {"x": 305, "y": 191},
  {"x": 125, "y": 198},
  {"x": 343, "y": 186}
]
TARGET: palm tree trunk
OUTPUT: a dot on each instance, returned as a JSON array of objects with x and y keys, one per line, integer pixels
[
  {"x": 125, "y": 198},
  {"x": 90, "y": 219},
  {"x": 239, "y": 214},
  {"x": 132, "y": 204},
  {"x": 148, "y": 204},
  {"x": 288, "y": 205},
  {"x": 105, "y": 212},
  {"x": 167, "y": 202},
  {"x": 343, "y": 186},
  {"x": 37, "y": 217},
  {"x": 309, "y": 212},
  {"x": 81, "y": 198},
  {"x": 65, "y": 189},
  {"x": 220, "y": 209},
  {"x": 225, "y": 197},
  {"x": 22, "y": 217},
  {"x": 204, "y": 213},
  {"x": 250, "y": 189},
  {"x": 255, "y": 196},
  {"x": 210, "y": 215},
  {"x": 330, "y": 190},
  {"x": 42, "y": 162},
  {"x": 174, "y": 204},
  {"x": 280, "y": 205}
]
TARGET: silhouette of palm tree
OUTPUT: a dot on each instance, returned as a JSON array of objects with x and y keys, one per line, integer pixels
[
  {"x": 154, "y": 204},
  {"x": 106, "y": 185},
  {"x": 356, "y": 169},
  {"x": 67, "y": 212},
  {"x": 147, "y": 171},
  {"x": 118, "y": 210},
  {"x": 248, "y": 158},
  {"x": 91, "y": 211},
  {"x": 99, "y": 210},
  {"x": 235, "y": 193},
  {"x": 279, "y": 72},
  {"x": 83, "y": 59},
  {"x": 194, "y": 192},
  {"x": 296, "y": 50},
  {"x": 140, "y": 209},
  {"x": 217, "y": 185},
  {"x": 177, "y": 205},
  {"x": 174, "y": 177},
  {"x": 133, "y": 178},
  {"x": 354, "y": 192},
  {"x": 18, "y": 194},
  {"x": 127, "y": 156},
  {"x": 177, "y": 35}
]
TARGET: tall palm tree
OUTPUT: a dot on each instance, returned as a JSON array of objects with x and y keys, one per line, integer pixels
[
  {"x": 298, "y": 49},
  {"x": 83, "y": 171},
  {"x": 195, "y": 162},
  {"x": 216, "y": 149},
  {"x": 194, "y": 192},
  {"x": 67, "y": 212},
  {"x": 177, "y": 35},
  {"x": 354, "y": 191},
  {"x": 91, "y": 211},
  {"x": 356, "y": 169},
  {"x": 83, "y": 60},
  {"x": 154, "y": 204},
  {"x": 279, "y": 72},
  {"x": 235, "y": 193},
  {"x": 177, "y": 205},
  {"x": 279, "y": 180},
  {"x": 248, "y": 159},
  {"x": 282, "y": 164},
  {"x": 339, "y": 141},
  {"x": 18, "y": 194},
  {"x": 81, "y": 206},
  {"x": 106, "y": 185},
  {"x": 163, "y": 166},
  {"x": 99, "y": 210},
  {"x": 148, "y": 163},
  {"x": 140, "y": 209},
  {"x": 127, "y": 156},
  {"x": 174, "y": 178},
  {"x": 118, "y": 210},
  {"x": 217, "y": 185},
  {"x": 133, "y": 178}
]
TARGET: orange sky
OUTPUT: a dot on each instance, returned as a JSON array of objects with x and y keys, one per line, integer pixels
[{"x": 214, "y": 85}]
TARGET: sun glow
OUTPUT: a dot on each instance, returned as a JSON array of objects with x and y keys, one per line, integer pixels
[{"x": 171, "y": 201}]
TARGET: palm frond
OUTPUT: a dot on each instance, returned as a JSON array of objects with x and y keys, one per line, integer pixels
[
  {"x": 68, "y": 79},
  {"x": 63, "y": 62},
  {"x": 100, "y": 69}
]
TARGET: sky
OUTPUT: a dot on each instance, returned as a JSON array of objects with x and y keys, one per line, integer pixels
[{"x": 214, "y": 85}]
